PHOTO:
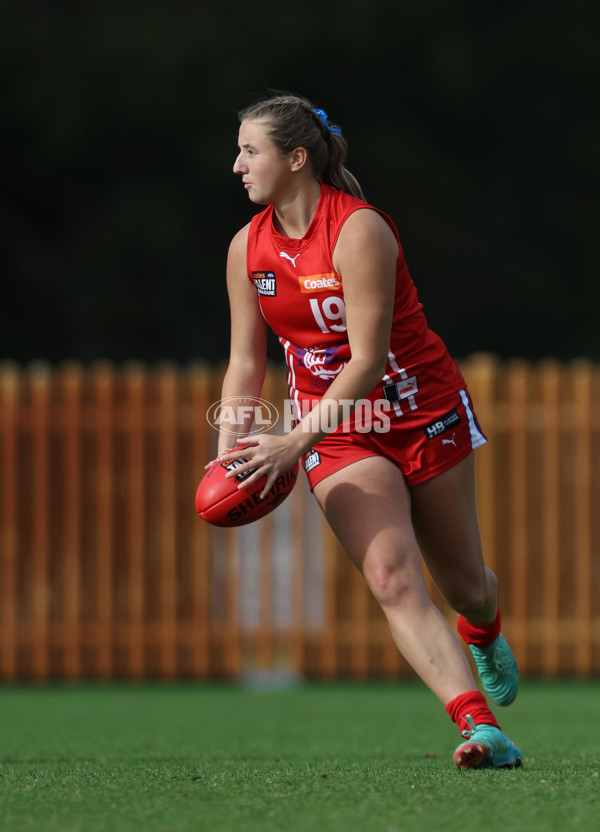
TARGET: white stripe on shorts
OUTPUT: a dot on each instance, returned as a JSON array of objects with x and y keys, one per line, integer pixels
[{"x": 477, "y": 437}]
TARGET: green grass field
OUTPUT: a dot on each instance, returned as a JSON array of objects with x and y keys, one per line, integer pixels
[{"x": 321, "y": 758}]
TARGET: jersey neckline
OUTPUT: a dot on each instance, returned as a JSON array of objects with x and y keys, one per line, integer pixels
[{"x": 300, "y": 242}]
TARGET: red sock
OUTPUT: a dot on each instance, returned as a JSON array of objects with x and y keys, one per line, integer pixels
[
  {"x": 474, "y": 704},
  {"x": 479, "y": 636}
]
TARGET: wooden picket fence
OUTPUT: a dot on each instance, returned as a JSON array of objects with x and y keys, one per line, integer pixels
[{"x": 106, "y": 572}]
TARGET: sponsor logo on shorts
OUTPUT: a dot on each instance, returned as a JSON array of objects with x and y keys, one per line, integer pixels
[
  {"x": 451, "y": 441},
  {"x": 442, "y": 425},
  {"x": 311, "y": 460},
  {"x": 320, "y": 282},
  {"x": 265, "y": 283}
]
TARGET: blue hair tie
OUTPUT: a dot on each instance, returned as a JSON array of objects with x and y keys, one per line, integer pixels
[{"x": 323, "y": 116}]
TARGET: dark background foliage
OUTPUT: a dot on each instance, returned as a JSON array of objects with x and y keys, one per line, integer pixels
[{"x": 474, "y": 125}]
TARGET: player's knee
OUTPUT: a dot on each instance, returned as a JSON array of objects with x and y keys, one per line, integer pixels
[{"x": 390, "y": 584}]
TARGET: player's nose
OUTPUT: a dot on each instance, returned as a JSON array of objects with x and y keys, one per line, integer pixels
[{"x": 238, "y": 167}]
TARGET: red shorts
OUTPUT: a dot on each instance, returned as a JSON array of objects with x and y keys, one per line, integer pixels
[{"x": 423, "y": 443}]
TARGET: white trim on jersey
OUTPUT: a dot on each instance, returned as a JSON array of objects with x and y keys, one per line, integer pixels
[
  {"x": 291, "y": 377},
  {"x": 477, "y": 437}
]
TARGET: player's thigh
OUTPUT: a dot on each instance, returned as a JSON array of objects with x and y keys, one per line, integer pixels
[
  {"x": 367, "y": 505},
  {"x": 444, "y": 515}
]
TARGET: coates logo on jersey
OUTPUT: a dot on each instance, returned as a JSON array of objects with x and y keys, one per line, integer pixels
[
  {"x": 320, "y": 283},
  {"x": 265, "y": 283}
]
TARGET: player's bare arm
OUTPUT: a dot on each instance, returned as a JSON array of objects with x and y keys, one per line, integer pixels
[{"x": 246, "y": 370}]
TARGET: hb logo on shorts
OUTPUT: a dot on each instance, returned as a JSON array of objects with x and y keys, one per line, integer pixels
[{"x": 435, "y": 428}]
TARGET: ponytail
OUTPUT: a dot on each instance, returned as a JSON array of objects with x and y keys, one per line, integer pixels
[{"x": 335, "y": 173}]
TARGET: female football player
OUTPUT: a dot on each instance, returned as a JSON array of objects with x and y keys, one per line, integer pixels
[{"x": 384, "y": 421}]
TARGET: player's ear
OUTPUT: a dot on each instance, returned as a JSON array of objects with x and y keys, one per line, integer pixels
[{"x": 298, "y": 158}]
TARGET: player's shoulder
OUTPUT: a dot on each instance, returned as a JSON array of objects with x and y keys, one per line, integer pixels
[
  {"x": 367, "y": 225},
  {"x": 365, "y": 217}
]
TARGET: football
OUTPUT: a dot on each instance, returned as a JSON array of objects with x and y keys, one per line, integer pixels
[{"x": 219, "y": 502}]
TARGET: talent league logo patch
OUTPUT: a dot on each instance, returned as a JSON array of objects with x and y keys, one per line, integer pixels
[
  {"x": 319, "y": 282},
  {"x": 442, "y": 425},
  {"x": 265, "y": 283},
  {"x": 311, "y": 460}
]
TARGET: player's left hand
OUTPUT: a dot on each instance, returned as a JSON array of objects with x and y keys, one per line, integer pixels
[{"x": 267, "y": 454}]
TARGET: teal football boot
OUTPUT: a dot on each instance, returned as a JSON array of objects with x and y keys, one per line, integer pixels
[
  {"x": 498, "y": 670},
  {"x": 486, "y": 747}
]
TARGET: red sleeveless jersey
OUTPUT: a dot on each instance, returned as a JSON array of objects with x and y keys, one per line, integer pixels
[{"x": 302, "y": 299}]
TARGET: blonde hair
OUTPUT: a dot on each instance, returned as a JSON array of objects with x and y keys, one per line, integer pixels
[{"x": 292, "y": 121}]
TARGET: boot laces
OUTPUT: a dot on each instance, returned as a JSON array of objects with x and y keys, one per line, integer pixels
[{"x": 468, "y": 732}]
